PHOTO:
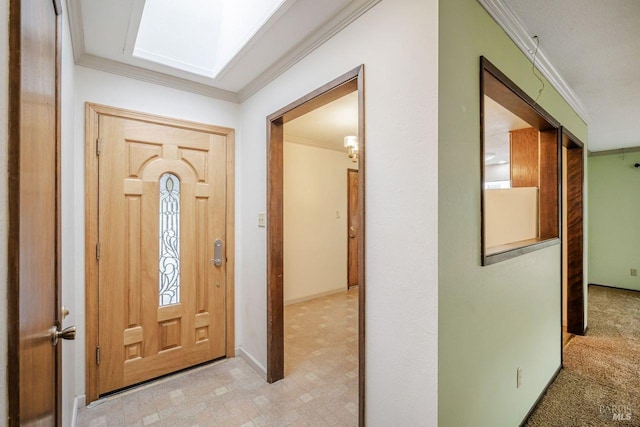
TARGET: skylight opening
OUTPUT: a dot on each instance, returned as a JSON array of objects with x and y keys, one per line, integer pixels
[{"x": 199, "y": 36}]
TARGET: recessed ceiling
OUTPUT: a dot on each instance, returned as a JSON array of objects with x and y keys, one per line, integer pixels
[
  {"x": 176, "y": 43},
  {"x": 326, "y": 126},
  {"x": 594, "y": 46},
  {"x": 198, "y": 36}
]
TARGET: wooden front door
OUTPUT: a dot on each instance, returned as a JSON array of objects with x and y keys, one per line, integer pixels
[
  {"x": 353, "y": 227},
  {"x": 33, "y": 373},
  {"x": 162, "y": 220}
]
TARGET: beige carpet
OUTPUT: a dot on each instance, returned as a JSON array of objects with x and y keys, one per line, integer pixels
[{"x": 600, "y": 382}]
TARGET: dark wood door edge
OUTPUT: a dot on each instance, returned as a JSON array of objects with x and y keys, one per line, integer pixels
[{"x": 349, "y": 82}]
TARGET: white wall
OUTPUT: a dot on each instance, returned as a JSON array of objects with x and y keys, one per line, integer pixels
[
  {"x": 70, "y": 349},
  {"x": 4, "y": 134},
  {"x": 107, "y": 89},
  {"x": 398, "y": 43},
  {"x": 497, "y": 172},
  {"x": 315, "y": 221},
  {"x": 507, "y": 314}
]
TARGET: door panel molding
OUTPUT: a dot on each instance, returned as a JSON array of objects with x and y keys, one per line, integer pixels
[
  {"x": 351, "y": 81},
  {"x": 93, "y": 112}
]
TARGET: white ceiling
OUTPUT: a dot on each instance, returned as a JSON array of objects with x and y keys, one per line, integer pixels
[
  {"x": 326, "y": 126},
  {"x": 103, "y": 34},
  {"x": 589, "y": 50},
  {"x": 594, "y": 47},
  {"x": 498, "y": 121}
]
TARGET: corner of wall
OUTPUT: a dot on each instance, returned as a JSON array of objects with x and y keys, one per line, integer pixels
[{"x": 251, "y": 361}]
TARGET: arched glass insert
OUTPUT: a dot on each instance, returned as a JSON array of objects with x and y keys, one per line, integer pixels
[{"x": 169, "y": 264}]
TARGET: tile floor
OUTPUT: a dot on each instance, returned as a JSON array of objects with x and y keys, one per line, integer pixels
[{"x": 320, "y": 387}]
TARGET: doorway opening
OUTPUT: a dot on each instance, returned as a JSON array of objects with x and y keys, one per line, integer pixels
[
  {"x": 572, "y": 237},
  {"x": 350, "y": 82}
]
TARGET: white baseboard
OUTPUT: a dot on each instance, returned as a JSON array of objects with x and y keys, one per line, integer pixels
[
  {"x": 247, "y": 357},
  {"x": 78, "y": 402},
  {"x": 314, "y": 296}
]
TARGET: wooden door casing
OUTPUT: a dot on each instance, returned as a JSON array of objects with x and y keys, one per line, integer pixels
[
  {"x": 34, "y": 373},
  {"x": 141, "y": 340},
  {"x": 353, "y": 227},
  {"x": 349, "y": 82},
  {"x": 574, "y": 242}
]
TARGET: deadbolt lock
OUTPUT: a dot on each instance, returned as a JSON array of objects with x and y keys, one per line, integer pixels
[{"x": 217, "y": 253}]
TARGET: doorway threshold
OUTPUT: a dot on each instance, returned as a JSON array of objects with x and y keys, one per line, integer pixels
[{"x": 155, "y": 381}]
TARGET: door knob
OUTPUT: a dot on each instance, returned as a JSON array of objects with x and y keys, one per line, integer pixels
[
  {"x": 352, "y": 232},
  {"x": 66, "y": 334}
]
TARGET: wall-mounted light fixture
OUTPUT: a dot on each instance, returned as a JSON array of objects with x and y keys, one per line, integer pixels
[{"x": 351, "y": 144}]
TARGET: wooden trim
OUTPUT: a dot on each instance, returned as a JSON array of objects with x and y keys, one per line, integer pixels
[
  {"x": 275, "y": 250},
  {"x": 161, "y": 120},
  {"x": 524, "y": 153},
  {"x": 569, "y": 140},
  {"x": 58, "y": 10},
  {"x": 13, "y": 201},
  {"x": 92, "y": 167},
  {"x": 574, "y": 240},
  {"x": 499, "y": 87},
  {"x": 541, "y": 395},
  {"x": 14, "y": 116},
  {"x": 347, "y": 83},
  {"x": 483, "y": 228},
  {"x": 91, "y": 240},
  {"x": 361, "y": 250},
  {"x": 550, "y": 179},
  {"x": 495, "y": 75},
  {"x": 230, "y": 246}
]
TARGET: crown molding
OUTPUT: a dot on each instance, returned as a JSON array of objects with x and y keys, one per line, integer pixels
[
  {"x": 515, "y": 29},
  {"x": 340, "y": 21},
  {"x": 74, "y": 11},
  {"x": 155, "y": 77}
]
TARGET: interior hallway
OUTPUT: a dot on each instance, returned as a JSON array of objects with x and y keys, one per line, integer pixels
[
  {"x": 600, "y": 382},
  {"x": 320, "y": 387}
]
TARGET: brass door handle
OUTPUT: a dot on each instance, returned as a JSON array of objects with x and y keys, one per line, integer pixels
[
  {"x": 66, "y": 334},
  {"x": 352, "y": 232}
]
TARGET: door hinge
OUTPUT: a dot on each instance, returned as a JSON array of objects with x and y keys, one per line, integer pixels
[
  {"x": 97, "y": 355},
  {"x": 98, "y": 146},
  {"x": 98, "y": 251}
]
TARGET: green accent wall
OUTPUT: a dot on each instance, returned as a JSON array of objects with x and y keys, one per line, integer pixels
[
  {"x": 495, "y": 319},
  {"x": 614, "y": 220}
]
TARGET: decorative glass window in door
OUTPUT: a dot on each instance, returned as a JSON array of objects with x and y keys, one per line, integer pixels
[{"x": 169, "y": 264}]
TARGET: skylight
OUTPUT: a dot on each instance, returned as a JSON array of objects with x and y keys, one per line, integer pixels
[{"x": 199, "y": 36}]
